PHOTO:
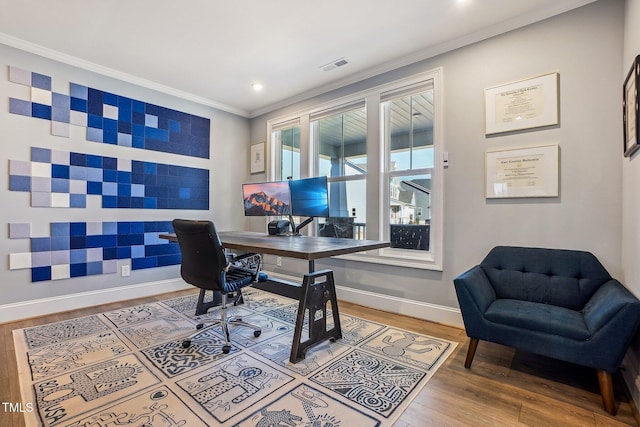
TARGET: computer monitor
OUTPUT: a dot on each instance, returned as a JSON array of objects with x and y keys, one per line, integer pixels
[
  {"x": 266, "y": 198},
  {"x": 310, "y": 197}
]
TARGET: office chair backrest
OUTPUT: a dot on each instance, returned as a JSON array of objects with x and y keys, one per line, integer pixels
[{"x": 203, "y": 259}]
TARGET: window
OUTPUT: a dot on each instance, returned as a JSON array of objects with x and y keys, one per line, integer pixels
[
  {"x": 339, "y": 140},
  {"x": 408, "y": 136},
  {"x": 379, "y": 149},
  {"x": 287, "y": 138}
]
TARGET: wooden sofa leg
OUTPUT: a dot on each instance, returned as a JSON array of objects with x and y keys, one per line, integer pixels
[
  {"x": 606, "y": 389},
  {"x": 473, "y": 345}
]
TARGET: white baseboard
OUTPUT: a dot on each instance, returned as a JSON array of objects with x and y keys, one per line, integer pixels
[
  {"x": 420, "y": 310},
  {"x": 44, "y": 306}
]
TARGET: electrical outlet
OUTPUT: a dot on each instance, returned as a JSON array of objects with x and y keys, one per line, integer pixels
[
  {"x": 125, "y": 271},
  {"x": 279, "y": 261}
]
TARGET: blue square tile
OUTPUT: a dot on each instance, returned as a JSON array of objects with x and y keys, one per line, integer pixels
[
  {"x": 78, "y": 270},
  {"x": 109, "y": 202},
  {"x": 110, "y": 98},
  {"x": 94, "y": 268},
  {"x": 40, "y": 244},
  {"x": 40, "y": 81},
  {"x": 124, "y": 202},
  {"x": 94, "y": 121},
  {"x": 42, "y": 155},
  {"x": 124, "y": 177},
  {"x": 94, "y": 135},
  {"x": 94, "y": 161},
  {"x": 124, "y": 190},
  {"x": 110, "y": 137},
  {"x": 40, "y": 274},
  {"x": 78, "y": 242},
  {"x": 60, "y": 171},
  {"x": 78, "y": 105},
  {"x": 110, "y": 163},
  {"x": 110, "y": 253},
  {"x": 110, "y": 227},
  {"x": 60, "y": 243},
  {"x": 78, "y": 200},
  {"x": 77, "y": 159},
  {"x": 142, "y": 263},
  {"x": 59, "y": 185},
  {"x": 94, "y": 174},
  {"x": 41, "y": 111},
  {"x": 19, "y": 106},
  {"x": 109, "y": 189},
  {"x": 78, "y": 91},
  {"x": 150, "y": 203},
  {"x": 61, "y": 115},
  {"x": 94, "y": 188},
  {"x": 137, "y": 227},
  {"x": 60, "y": 229},
  {"x": 95, "y": 102},
  {"x": 109, "y": 175},
  {"x": 19, "y": 183},
  {"x": 78, "y": 229},
  {"x": 124, "y": 252},
  {"x": 60, "y": 100}
]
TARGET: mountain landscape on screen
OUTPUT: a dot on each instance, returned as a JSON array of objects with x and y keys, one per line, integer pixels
[{"x": 262, "y": 204}]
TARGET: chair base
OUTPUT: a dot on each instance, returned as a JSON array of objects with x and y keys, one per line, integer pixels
[
  {"x": 224, "y": 322},
  {"x": 604, "y": 379}
]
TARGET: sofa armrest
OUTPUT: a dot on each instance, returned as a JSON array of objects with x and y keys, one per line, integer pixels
[
  {"x": 613, "y": 307},
  {"x": 474, "y": 290}
]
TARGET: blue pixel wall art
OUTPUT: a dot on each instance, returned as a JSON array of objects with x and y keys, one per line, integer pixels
[
  {"x": 65, "y": 179},
  {"x": 110, "y": 118},
  {"x": 68, "y": 179},
  {"x": 76, "y": 249}
]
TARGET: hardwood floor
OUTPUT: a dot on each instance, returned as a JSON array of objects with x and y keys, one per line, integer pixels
[{"x": 503, "y": 387}]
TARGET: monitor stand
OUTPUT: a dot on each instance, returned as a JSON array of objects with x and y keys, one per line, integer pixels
[{"x": 295, "y": 230}]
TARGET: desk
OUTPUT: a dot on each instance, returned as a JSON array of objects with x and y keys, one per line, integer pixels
[{"x": 315, "y": 294}]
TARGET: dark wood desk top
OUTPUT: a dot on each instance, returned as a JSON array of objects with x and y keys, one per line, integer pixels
[{"x": 301, "y": 247}]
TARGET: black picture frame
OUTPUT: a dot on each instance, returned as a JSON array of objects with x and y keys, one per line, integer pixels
[{"x": 630, "y": 116}]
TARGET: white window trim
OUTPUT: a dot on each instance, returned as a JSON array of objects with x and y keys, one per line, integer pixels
[{"x": 433, "y": 260}]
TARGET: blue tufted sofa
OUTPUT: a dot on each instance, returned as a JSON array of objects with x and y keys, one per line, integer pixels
[{"x": 558, "y": 303}]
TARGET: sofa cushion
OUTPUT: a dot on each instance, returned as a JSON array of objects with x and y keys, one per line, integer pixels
[
  {"x": 538, "y": 317},
  {"x": 559, "y": 277}
]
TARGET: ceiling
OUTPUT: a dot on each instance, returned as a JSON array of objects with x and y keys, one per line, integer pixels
[{"x": 212, "y": 51}]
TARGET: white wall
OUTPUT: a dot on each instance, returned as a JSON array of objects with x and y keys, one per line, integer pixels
[
  {"x": 585, "y": 47},
  {"x": 630, "y": 198},
  {"x": 229, "y": 142}
]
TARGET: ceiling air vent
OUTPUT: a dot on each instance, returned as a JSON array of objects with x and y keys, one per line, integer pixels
[{"x": 334, "y": 64}]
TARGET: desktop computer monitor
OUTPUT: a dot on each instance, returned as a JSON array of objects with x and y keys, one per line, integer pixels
[
  {"x": 266, "y": 198},
  {"x": 309, "y": 197}
]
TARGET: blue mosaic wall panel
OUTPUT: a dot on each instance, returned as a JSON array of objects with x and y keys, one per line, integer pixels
[
  {"x": 110, "y": 118},
  {"x": 65, "y": 179},
  {"x": 76, "y": 249}
]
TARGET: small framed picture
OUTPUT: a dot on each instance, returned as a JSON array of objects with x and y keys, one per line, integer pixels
[
  {"x": 257, "y": 158},
  {"x": 630, "y": 109}
]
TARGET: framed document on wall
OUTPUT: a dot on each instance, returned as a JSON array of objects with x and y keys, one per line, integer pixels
[
  {"x": 257, "y": 158},
  {"x": 630, "y": 109},
  {"x": 525, "y": 104},
  {"x": 522, "y": 172}
]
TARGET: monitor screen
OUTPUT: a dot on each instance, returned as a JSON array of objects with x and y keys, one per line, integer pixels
[
  {"x": 310, "y": 197},
  {"x": 266, "y": 198}
]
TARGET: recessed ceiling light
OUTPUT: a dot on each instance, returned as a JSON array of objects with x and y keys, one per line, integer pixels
[{"x": 257, "y": 86}]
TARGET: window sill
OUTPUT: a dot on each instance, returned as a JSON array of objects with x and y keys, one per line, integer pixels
[{"x": 395, "y": 257}]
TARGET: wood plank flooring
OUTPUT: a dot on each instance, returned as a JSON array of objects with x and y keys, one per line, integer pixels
[{"x": 503, "y": 387}]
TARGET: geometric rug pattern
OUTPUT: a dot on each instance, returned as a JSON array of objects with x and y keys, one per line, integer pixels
[{"x": 127, "y": 367}]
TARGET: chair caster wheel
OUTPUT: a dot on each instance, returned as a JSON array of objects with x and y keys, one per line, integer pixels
[
  {"x": 186, "y": 343},
  {"x": 199, "y": 326},
  {"x": 257, "y": 333},
  {"x": 332, "y": 340},
  {"x": 226, "y": 349}
]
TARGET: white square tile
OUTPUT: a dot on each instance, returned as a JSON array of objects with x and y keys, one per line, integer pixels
[
  {"x": 78, "y": 118},
  {"x": 109, "y": 266},
  {"x": 40, "y": 200},
  {"x": 60, "y": 257},
  {"x": 19, "y": 261},
  {"x": 77, "y": 187},
  {"x": 40, "y": 184},
  {"x": 110, "y": 112},
  {"x": 41, "y": 169},
  {"x": 124, "y": 165},
  {"x": 94, "y": 228},
  {"x": 19, "y": 167},
  {"x": 19, "y": 230},
  {"x": 60, "y": 157},
  {"x": 62, "y": 271},
  {"x": 20, "y": 76},
  {"x": 60, "y": 129},
  {"x": 41, "y": 96},
  {"x": 59, "y": 200},
  {"x": 94, "y": 254}
]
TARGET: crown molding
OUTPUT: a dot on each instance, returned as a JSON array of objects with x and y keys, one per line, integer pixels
[{"x": 110, "y": 72}]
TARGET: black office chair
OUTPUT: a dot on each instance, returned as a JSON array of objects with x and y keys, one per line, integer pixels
[{"x": 205, "y": 265}]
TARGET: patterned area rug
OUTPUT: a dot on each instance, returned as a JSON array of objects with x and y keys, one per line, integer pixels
[{"x": 128, "y": 367}]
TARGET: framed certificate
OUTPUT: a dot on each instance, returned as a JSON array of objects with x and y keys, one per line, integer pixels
[
  {"x": 522, "y": 172},
  {"x": 257, "y": 158},
  {"x": 630, "y": 109},
  {"x": 524, "y": 104}
]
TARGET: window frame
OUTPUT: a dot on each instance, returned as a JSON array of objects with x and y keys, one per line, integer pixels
[{"x": 377, "y": 177}]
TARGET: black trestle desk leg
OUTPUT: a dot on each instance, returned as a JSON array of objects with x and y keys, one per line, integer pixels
[{"x": 313, "y": 302}]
